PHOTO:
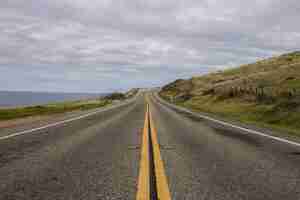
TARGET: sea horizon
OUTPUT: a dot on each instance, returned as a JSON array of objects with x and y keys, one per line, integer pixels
[{"x": 30, "y": 98}]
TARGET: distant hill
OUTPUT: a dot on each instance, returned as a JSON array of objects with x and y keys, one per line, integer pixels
[{"x": 266, "y": 92}]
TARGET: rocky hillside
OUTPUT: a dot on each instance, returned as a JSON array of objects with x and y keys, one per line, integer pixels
[{"x": 267, "y": 92}]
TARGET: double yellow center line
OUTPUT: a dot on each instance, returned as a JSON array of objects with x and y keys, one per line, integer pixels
[{"x": 152, "y": 177}]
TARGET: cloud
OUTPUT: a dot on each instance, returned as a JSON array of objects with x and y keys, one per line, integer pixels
[{"x": 105, "y": 45}]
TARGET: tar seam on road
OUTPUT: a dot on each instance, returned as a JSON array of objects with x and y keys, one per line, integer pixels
[
  {"x": 230, "y": 125},
  {"x": 152, "y": 184},
  {"x": 62, "y": 122}
]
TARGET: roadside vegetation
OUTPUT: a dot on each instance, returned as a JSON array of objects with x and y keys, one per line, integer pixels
[
  {"x": 61, "y": 107},
  {"x": 265, "y": 93}
]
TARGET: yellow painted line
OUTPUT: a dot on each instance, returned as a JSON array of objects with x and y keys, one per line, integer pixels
[
  {"x": 143, "y": 191},
  {"x": 163, "y": 192}
]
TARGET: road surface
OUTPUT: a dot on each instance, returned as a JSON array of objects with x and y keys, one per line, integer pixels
[{"x": 105, "y": 156}]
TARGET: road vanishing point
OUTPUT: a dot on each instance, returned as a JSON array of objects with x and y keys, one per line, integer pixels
[{"x": 145, "y": 149}]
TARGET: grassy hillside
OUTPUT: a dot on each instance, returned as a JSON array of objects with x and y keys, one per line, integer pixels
[{"x": 265, "y": 93}]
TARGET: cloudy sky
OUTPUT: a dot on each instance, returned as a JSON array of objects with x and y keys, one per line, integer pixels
[{"x": 108, "y": 45}]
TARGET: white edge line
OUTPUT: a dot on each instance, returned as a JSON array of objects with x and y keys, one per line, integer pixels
[
  {"x": 65, "y": 121},
  {"x": 230, "y": 125}
]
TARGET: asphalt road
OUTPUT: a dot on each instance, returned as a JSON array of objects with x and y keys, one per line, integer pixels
[
  {"x": 204, "y": 160},
  {"x": 98, "y": 157},
  {"x": 92, "y": 158}
]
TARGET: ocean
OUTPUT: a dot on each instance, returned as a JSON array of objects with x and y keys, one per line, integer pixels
[{"x": 13, "y": 98}]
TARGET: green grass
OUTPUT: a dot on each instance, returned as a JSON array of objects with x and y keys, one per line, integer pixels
[
  {"x": 292, "y": 83},
  {"x": 13, "y": 113},
  {"x": 278, "y": 117}
]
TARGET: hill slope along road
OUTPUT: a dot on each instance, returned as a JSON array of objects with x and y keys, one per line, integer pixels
[{"x": 98, "y": 157}]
